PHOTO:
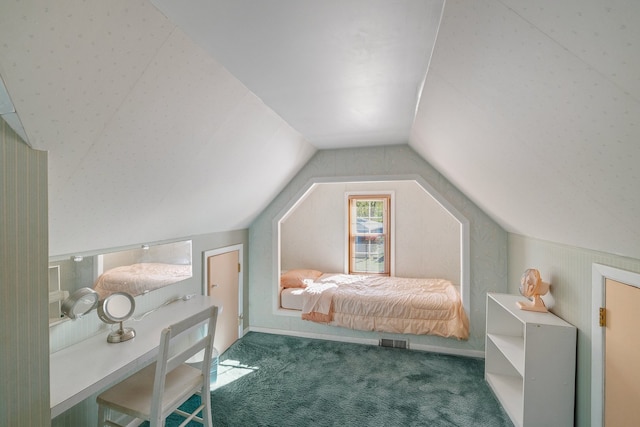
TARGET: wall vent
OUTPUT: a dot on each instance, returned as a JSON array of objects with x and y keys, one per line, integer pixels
[{"x": 393, "y": 343}]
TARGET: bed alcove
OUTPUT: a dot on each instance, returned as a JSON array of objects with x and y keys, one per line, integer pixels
[
  {"x": 429, "y": 237},
  {"x": 483, "y": 245}
]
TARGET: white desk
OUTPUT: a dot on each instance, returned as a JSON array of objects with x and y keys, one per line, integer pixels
[{"x": 83, "y": 369}]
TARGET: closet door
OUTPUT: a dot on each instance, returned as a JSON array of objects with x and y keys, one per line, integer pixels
[
  {"x": 622, "y": 353},
  {"x": 223, "y": 284}
]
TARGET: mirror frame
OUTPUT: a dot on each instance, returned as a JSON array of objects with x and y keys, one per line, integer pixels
[
  {"x": 107, "y": 316},
  {"x": 75, "y": 306}
]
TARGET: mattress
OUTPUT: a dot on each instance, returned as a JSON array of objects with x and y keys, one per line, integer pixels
[
  {"x": 291, "y": 298},
  {"x": 387, "y": 304}
]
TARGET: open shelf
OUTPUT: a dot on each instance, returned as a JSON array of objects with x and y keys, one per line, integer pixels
[
  {"x": 518, "y": 349},
  {"x": 508, "y": 390},
  {"x": 512, "y": 348}
]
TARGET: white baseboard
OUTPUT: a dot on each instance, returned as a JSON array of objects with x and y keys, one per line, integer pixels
[
  {"x": 368, "y": 341},
  {"x": 448, "y": 350}
]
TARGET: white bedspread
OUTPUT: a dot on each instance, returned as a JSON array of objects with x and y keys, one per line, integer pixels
[
  {"x": 387, "y": 304},
  {"x": 318, "y": 295}
]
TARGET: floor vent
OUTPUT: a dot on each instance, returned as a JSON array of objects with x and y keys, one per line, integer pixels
[{"x": 393, "y": 343}]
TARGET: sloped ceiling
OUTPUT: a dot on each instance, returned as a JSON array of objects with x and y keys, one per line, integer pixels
[
  {"x": 533, "y": 110},
  {"x": 149, "y": 137},
  {"x": 343, "y": 73},
  {"x": 166, "y": 119}
]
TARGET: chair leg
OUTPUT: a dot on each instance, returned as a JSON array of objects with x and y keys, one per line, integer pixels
[{"x": 205, "y": 397}]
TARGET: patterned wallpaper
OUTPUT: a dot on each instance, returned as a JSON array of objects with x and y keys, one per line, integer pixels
[
  {"x": 24, "y": 353},
  {"x": 569, "y": 270},
  {"x": 488, "y": 241},
  {"x": 133, "y": 113},
  {"x": 532, "y": 109}
]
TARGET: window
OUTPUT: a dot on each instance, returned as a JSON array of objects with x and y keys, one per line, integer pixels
[{"x": 369, "y": 234}]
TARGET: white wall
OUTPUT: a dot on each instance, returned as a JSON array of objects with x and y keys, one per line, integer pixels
[
  {"x": 569, "y": 271},
  {"x": 488, "y": 241},
  {"x": 312, "y": 236},
  {"x": 426, "y": 238}
]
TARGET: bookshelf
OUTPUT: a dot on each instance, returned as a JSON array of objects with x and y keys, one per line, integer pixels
[{"x": 530, "y": 361}]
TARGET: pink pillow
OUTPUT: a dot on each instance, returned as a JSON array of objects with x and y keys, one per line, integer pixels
[{"x": 296, "y": 278}]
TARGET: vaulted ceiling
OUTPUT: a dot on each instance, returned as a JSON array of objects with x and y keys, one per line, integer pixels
[{"x": 166, "y": 119}]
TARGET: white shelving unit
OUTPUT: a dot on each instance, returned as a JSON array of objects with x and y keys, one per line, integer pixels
[{"x": 530, "y": 363}]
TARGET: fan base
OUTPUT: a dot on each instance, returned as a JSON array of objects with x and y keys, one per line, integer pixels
[{"x": 533, "y": 307}]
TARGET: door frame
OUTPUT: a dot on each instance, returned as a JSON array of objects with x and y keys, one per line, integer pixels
[
  {"x": 205, "y": 274},
  {"x": 599, "y": 275}
]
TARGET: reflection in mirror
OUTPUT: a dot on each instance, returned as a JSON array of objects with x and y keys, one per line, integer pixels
[
  {"x": 135, "y": 271},
  {"x": 118, "y": 306},
  {"x": 80, "y": 303}
]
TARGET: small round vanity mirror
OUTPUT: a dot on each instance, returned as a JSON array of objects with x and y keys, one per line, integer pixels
[
  {"x": 80, "y": 303},
  {"x": 116, "y": 308}
]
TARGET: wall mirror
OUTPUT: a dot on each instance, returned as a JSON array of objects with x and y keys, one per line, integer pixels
[{"x": 135, "y": 271}]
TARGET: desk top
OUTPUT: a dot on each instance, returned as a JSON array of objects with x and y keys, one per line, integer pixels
[{"x": 78, "y": 371}]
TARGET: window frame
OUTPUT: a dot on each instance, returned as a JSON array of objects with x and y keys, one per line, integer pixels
[{"x": 387, "y": 216}]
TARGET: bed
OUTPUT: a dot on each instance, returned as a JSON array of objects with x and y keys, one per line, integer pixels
[
  {"x": 136, "y": 279},
  {"x": 376, "y": 303}
]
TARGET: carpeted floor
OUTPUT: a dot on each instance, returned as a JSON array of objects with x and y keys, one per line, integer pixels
[{"x": 273, "y": 380}]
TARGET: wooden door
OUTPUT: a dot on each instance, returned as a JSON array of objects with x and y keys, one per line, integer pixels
[
  {"x": 223, "y": 283},
  {"x": 622, "y": 353}
]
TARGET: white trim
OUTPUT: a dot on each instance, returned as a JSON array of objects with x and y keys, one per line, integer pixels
[
  {"x": 600, "y": 273},
  {"x": 288, "y": 312},
  {"x": 313, "y": 335},
  {"x": 205, "y": 267},
  {"x": 368, "y": 341},
  {"x": 392, "y": 226},
  {"x": 478, "y": 354}
]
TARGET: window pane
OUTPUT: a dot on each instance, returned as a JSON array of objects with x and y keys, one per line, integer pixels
[
  {"x": 369, "y": 255},
  {"x": 368, "y": 235}
]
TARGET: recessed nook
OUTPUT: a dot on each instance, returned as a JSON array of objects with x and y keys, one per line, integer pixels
[{"x": 429, "y": 237}]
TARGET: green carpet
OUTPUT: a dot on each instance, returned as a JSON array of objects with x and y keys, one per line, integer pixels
[{"x": 273, "y": 380}]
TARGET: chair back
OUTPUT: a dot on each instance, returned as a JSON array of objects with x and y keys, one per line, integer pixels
[{"x": 173, "y": 352}]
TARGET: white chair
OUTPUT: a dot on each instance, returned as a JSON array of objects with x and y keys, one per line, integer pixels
[{"x": 156, "y": 391}]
